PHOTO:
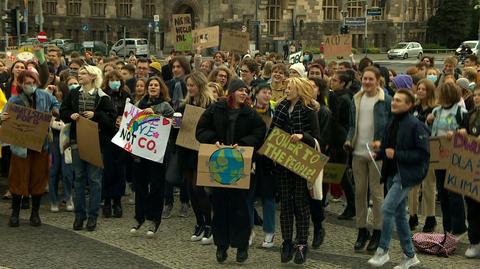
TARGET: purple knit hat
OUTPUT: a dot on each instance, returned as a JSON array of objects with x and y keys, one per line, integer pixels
[{"x": 402, "y": 82}]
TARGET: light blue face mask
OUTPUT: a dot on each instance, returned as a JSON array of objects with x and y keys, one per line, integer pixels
[
  {"x": 432, "y": 78},
  {"x": 73, "y": 86},
  {"x": 306, "y": 57},
  {"x": 114, "y": 85}
]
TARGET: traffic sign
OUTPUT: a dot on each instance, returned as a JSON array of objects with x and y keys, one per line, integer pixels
[
  {"x": 156, "y": 18},
  {"x": 42, "y": 37},
  {"x": 355, "y": 22},
  {"x": 374, "y": 11},
  {"x": 85, "y": 27}
]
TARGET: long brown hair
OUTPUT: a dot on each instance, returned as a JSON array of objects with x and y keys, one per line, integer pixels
[
  {"x": 430, "y": 87},
  {"x": 163, "y": 88}
]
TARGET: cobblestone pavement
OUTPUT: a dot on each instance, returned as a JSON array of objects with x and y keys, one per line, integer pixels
[{"x": 56, "y": 245}]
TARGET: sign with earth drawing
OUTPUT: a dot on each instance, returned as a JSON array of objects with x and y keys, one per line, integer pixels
[{"x": 224, "y": 167}]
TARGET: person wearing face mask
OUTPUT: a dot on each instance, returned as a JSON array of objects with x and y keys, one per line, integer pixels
[
  {"x": 231, "y": 121},
  {"x": 432, "y": 74},
  {"x": 72, "y": 83},
  {"x": 114, "y": 157},
  {"x": 29, "y": 169}
]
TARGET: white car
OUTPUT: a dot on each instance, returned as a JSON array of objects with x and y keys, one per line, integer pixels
[
  {"x": 405, "y": 49},
  {"x": 474, "y": 45},
  {"x": 131, "y": 46}
]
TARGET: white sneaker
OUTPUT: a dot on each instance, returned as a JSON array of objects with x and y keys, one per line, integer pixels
[
  {"x": 70, "y": 206},
  {"x": 252, "y": 237},
  {"x": 473, "y": 251},
  {"x": 152, "y": 228},
  {"x": 408, "y": 262},
  {"x": 135, "y": 229},
  {"x": 54, "y": 208},
  {"x": 207, "y": 240},
  {"x": 380, "y": 258},
  {"x": 268, "y": 241}
]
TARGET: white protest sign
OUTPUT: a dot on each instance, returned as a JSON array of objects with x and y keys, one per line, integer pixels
[
  {"x": 143, "y": 135},
  {"x": 295, "y": 57}
]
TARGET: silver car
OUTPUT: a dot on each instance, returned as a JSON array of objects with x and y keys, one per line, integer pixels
[{"x": 406, "y": 49}]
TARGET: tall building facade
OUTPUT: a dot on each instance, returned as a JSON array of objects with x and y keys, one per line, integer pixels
[{"x": 270, "y": 22}]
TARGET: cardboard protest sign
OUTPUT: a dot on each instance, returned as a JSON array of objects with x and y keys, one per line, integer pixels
[
  {"x": 463, "y": 173},
  {"x": 224, "y": 167},
  {"x": 206, "y": 37},
  {"x": 182, "y": 32},
  {"x": 295, "y": 58},
  {"x": 337, "y": 45},
  {"x": 440, "y": 152},
  {"x": 333, "y": 173},
  {"x": 143, "y": 135},
  {"x": 235, "y": 41},
  {"x": 26, "y": 127},
  {"x": 299, "y": 158},
  {"x": 186, "y": 135},
  {"x": 88, "y": 142}
]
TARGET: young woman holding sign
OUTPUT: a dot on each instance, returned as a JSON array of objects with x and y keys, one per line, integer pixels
[
  {"x": 28, "y": 174},
  {"x": 231, "y": 121},
  {"x": 91, "y": 102},
  {"x": 149, "y": 176},
  {"x": 200, "y": 95},
  {"x": 297, "y": 115}
]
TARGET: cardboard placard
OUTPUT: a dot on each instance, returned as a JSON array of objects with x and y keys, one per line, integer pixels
[
  {"x": 299, "y": 158},
  {"x": 295, "y": 58},
  {"x": 337, "y": 45},
  {"x": 224, "y": 167},
  {"x": 143, "y": 135},
  {"x": 206, "y": 37},
  {"x": 26, "y": 127},
  {"x": 182, "y": 32},
  {"x": 333, "y": 173},
  {"x": 88, "y": 142},
  {"x": 186, "y": 136},
  {"x": 440, "y": 152},
  {"x": 235, "y": 41},
  {"x": 463, "y": 173}
]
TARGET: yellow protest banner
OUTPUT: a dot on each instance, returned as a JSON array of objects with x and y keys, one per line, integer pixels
[{"x": 299, "y": 158}]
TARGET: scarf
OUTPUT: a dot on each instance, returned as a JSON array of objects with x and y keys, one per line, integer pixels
[
  {"x": 293, "y": 122},
  {"x": 177, "y": 97}
]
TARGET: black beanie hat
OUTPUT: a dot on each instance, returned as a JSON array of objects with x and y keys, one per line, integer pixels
[{"x": 235, "y": 85}]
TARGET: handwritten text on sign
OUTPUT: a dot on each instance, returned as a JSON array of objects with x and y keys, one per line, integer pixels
[
  {"x": 298, "y": 158},
  {"x": 338, "y": 45},
  {"x": 463, "y": 173},
  {"x": 182, "y": 31},
  {"x": 295, "y": 58},
  {"x": 26, "y": 127},
  {"x": 143, "y": 135}
]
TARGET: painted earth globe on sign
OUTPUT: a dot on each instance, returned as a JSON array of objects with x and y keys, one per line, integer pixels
[{"x": 226, "y": 166}]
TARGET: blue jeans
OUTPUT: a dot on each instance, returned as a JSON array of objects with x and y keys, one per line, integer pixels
[
  {"x": 86, "y": 172},
  {"x": 59, "y": 170},
  {"x": 394, "y": 209},
  {"x": 268, "y": 205}
]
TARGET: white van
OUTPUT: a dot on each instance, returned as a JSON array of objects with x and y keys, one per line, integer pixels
[{"x": 131, "y": 46}]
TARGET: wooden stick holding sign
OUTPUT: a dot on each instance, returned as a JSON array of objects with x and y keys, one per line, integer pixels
[
  {"x": 299, "y": 158},
  {"x": 26, "y": 127},
  {"x": 337, "y": 45},
  {"x": 88, "y": 142}
]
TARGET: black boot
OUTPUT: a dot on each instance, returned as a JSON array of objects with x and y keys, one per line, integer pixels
[
  {"x": 221, "y": 254},
  {"x": 362, "y": 238},
  {"x": 287, "y": 251},
  {"x": 318, "y": 236},
  {"x": 25, "y": 202},
  {"x": 242, "y": 255},
  {"x": 117, "y": 208},
  {"x": 413, "y": 222},
  {"x": 300, "y": 254},
  {"x": 107, "y": 208},
  {"x": 430, "y": 223},
  {"x": 373, "y": 244},
  {"x": 34, "y": 216},
  {"x": 14, "y": 218}
]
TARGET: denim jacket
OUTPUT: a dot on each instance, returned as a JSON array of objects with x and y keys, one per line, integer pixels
[
  {"x": 381, "y": 115},
  {"x": 45, "y": 102},
  {"x": 452, "y": 120}
]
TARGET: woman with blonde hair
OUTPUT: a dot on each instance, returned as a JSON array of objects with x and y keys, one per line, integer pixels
[
  {"x": 425, "y": 104},
  {"x": 297, "y": 115},
  {"x": 216, "y": 89},
  {"x": 222, "y": 76}
]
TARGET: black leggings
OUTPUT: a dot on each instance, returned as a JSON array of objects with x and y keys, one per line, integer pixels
[{"x": 199, "y": 199}]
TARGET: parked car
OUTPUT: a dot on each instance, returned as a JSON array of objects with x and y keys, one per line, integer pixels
[
  {"x": 66, "y": 45},
  {"x": 94, "y": 46},
  {"x": 405, "y": 49},
  {"x": 474, "y": 45},
  {"x": 131, "y": 46}
]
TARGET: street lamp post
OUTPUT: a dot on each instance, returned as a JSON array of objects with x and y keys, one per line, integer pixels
[{"x": 366, "y": 29}]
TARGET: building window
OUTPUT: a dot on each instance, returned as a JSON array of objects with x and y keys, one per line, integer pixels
[
  {"x": 273, "y": 16},
  {"x": 74, "y": 7},
  {"x": 355, "y": 9},
  {"x": 148, "y": 8},
  {"x": 50, "y": 7},
  {"x": 124, "y": 8},
  {"x": 98, "y": 8},
  {"x": 376, "y": 3},
  {"x": 330, "y": 10},
  {"x": 411, "y": 10}
]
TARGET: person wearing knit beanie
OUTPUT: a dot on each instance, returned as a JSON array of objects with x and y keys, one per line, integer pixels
[
  {"x": 298, "y": 70},
  {"x": 235, "y": 85},
  {"x": 403, "y": 82}
]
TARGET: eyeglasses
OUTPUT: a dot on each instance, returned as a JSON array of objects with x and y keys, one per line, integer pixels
[{"x": 244, "y": 71}]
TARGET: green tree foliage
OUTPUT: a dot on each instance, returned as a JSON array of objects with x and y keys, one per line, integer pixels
[{"x": 452, "y": 23}]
